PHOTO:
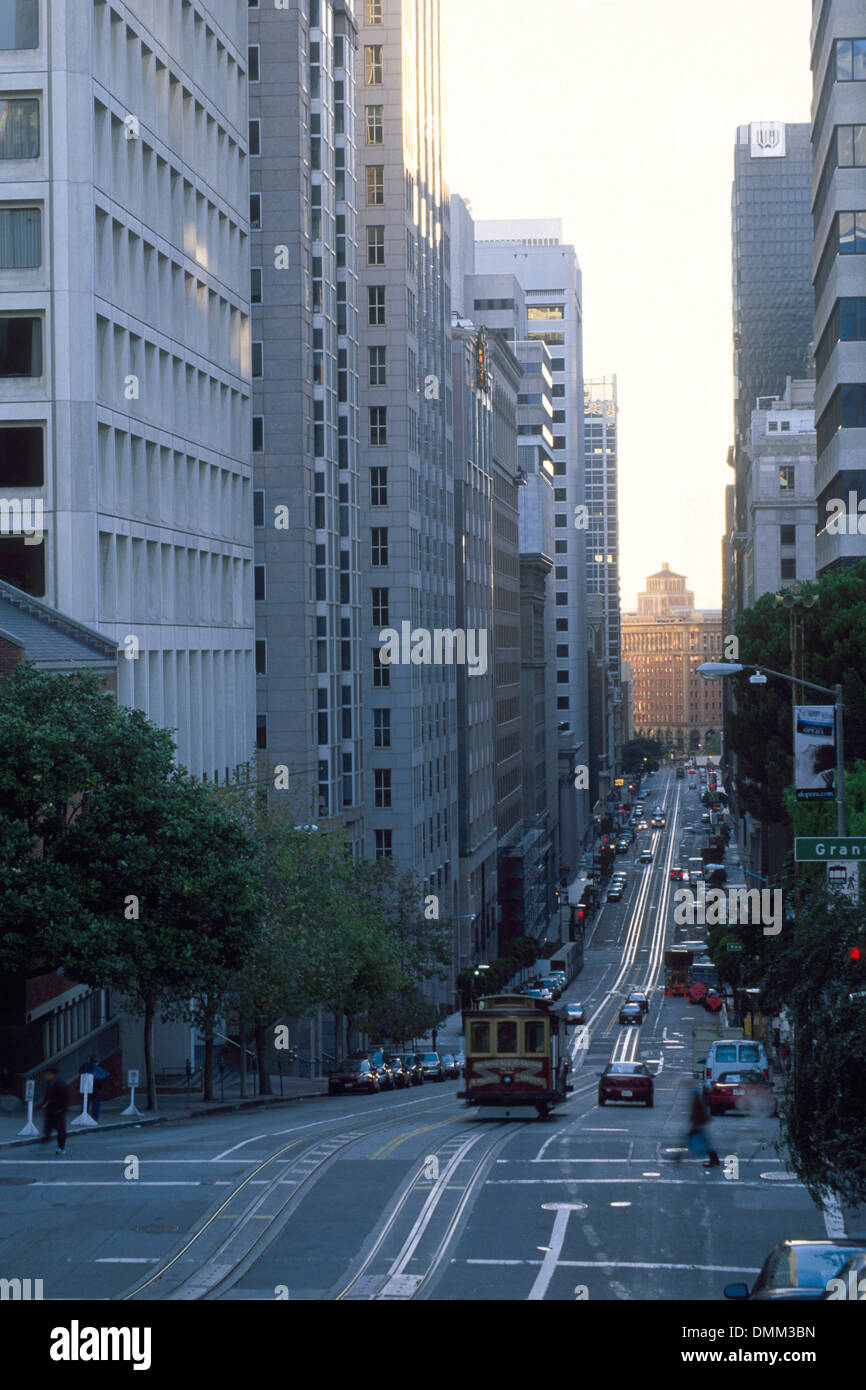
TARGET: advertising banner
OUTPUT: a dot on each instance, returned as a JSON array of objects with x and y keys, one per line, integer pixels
[{"x": 814, "y": 753}]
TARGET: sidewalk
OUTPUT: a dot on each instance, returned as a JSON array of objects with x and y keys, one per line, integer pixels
[{"x": 171, "y": 1107}]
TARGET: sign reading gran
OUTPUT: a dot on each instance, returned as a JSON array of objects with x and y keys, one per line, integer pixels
[{"x": 811, "y": 849}]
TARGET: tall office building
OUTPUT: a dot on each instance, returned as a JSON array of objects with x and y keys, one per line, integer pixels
[
  {"x": 406, "y": 455},
  {"x": 124, "y": 345},
  {"x": 839, "y": 193},
  {"x": 533, "y": 252},
  {"x": 602, "y": 574},
  {"x": 771, "y": 230},
  {"x": 303, "y": 205},
  {"x": 780, "y": 498}
]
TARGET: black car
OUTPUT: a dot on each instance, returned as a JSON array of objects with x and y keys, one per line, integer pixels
[
  {"x": 449, "y": 1063},
  {"x": 354, "y": 1073},
  {"x": 387, "y": 1080},
  {"x": 431, "y": 1066},
  {"x": 398, "y": 1071},
  {"x": 637, "y": 996},
  {"x": 799, "y": 1269},
  {"x": 631, "y": 1013},
  {"x": 412, "y": 1066}
]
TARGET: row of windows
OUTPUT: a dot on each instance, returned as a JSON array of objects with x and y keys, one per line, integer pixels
[
  {"x": 847, "y": 237},
  {"x": 846, "y": 409},
  {"x": 19, "y": 24},
  {"x": 847, "y": 151},
  {"x": 846, "y": 324},
  {"x": 20, "y": 238},
  {"x": 847, "y": 64}
]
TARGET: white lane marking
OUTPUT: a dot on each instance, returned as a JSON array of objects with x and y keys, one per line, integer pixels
[
  {"x": 121, "y": 1182},
  {"x": 113, "y": 1162},
  {"x": 596, "y": 1182},
  {"x": 126, "y": 1260},
  {"x": 635, "y": 1264},
  {"x": 225, "y": 1153},
  {"x": 551, "y": 1259},
  {"x": 834, "y": 1220},
  {"x": 545, "y": 1146},
  {"x": 565, "y": 1160}
]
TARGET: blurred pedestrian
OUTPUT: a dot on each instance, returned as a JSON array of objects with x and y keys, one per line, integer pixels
[
  {"x": 55, "y": 1105},
  {"x": 698, "y": 1143},
  {"x": 99, "y": 1075},
  {"x": 785, "y": 1056}
]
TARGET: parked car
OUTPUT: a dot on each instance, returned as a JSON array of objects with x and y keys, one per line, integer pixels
[
  {"x": 387, "y": 1079},
  {"x": 354, "y": 1073},
  {"x": 798, "y": 1269},
  {"x": 637, "y": 996},
  {"x": 450, "y": 1067},
  {"x": 626, "y": 1081},
  {"x": 746, "y": 1091},
  {"x": 553, "y": 984},
  {"x": 460, "y": 1060},
  {"x": 400, "y": 1073},
  {"x": 622, "y": 846},
  {"x": 431, "y": 1066},
  {"x": 575, "y": 1013},
  {"x": 849, "y": 1282},
  {"x": 631, "y": 1013},
  {"x": 412, "y": 1064},
  {"x": 615, "y": 892}
]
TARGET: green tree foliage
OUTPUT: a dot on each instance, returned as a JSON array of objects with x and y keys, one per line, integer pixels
[{"x": 637, "y": 750}]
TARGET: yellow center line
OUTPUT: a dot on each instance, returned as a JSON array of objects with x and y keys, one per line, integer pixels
[{"x": 392, "y": 1144}]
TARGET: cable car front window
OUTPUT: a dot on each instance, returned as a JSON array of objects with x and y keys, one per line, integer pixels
[
  {"x": 534, "y": 1035},
  {"x": 479, "y": 1037},
  {"x": 507, "y": 1035}
]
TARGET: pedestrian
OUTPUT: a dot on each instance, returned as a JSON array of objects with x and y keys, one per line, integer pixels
[
  {"x": 99, "y": 1075},
  {"x": 785, "y": 1056},
  {"x": 697, "y": 1140},
  {"x": 55, "y": 1105}
]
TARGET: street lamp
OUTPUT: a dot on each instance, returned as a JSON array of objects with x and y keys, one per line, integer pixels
[{"x": 718, "y": 670}]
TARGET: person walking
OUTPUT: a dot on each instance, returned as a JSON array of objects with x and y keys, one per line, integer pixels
[
  {"x": 697, "y": 1139},
  {"x": 99, "y": 1075},
  {"x": 55, "y": 1105}
]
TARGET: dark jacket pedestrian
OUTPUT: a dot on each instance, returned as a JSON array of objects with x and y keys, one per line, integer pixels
[
  {"x": 99, "y": 1075},
  {"x": 698, "y": 1142},
  {"x": 55, "y": 1105}
]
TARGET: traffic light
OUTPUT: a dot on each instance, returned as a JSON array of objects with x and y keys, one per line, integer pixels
[{"x": 854, "y": 953}]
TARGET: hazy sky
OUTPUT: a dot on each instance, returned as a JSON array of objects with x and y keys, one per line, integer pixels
[{"x": 620, "y": 116}]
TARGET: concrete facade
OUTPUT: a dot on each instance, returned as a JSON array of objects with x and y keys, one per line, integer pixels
[
  {"x": 780, "y": 493},
  {"x": 839, "y": 266},
  {"x": 124, "y": 373}
]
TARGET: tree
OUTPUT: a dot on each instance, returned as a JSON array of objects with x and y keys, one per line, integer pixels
[{"x": 639, "y": 751}]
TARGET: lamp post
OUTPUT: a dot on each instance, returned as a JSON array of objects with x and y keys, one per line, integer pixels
[{"x": 719, "y": 670}]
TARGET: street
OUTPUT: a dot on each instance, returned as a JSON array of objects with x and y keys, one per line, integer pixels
[{"x": 411, "y": 1196}]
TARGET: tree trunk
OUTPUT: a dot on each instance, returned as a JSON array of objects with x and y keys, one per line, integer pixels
[
  {"x": 208, "y": 1058},
  {"x": 149, "y": 1012},
  {"x": 262, "y": 1060},
  {"x": 348, "y": 1018}
]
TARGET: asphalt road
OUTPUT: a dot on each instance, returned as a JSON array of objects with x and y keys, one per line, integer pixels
[{"x": 410, "y": 1196}]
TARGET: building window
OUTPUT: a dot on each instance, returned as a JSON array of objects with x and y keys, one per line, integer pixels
[
  {"x": 257, "y": 359},
  {"x": 19, "y": 128},
  {"x": 258, "y": 507},
  {"x": 255, "y": 137},
  {"x": 786, "y": 479},
  {"x": 255, "y": 285},
  {"x": 376, "y": 306},
  {"x": 383, "y": 844},
  {"x": 381, "y": 728},
  {"x": 373, "y": 65},
  {"x": 851, "y": 60},
  {"x": 259, "y": 583},
  {"x": 377, "y": 366},
  {"x": 19, "y": 24},
  {"x": 20, "y": 347},
  {"x": 378, "y": 487},
  {"x": 20, "y": 238},
  {"x": 258, "y": 434},
  {"x": 381, "y": 611},
  {"x": 375, "y": 125},
  {"x": 261, "y": 731},
  {"x": 373, "y": 12},
  {"x": 253, "y": 63},
  {"x": 379, "y": 546},
  {"x": 789, "y": 569},
  {"x": 542, "y": 312},
  {"x": 23, "y": 565},
  {"x": 375, "y": 245},
  {"x": 22, "y": 456},
  {"x": 261, "y": 658},
  {"x": 788, "y": 535},
  {"x": 255, "y": 212},
  {"x": 375, "y": 185},
  {"x": 382, "y": 788},
  {"x": 378, "y": 426}
]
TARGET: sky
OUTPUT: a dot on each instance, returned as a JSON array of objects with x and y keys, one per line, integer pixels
[{"x": 620, "y": 117}]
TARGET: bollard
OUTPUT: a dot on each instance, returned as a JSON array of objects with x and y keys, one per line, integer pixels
[
  {"x": 132, "y": 1082},
  {"x": 29, "y": 1094},
  {"x": 85, "y": 1086}
]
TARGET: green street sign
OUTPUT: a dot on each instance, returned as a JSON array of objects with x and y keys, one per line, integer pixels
[
  {"x": 816, "y": 849},
  {"x": 733, "y": 945}
]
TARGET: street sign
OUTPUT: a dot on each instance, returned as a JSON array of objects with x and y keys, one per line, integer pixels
[
  {"x": 29, "y": 1090},
  {"x": 132, "y": 1078},
  {"x": 731, "y": 945},
  {"x": 843, "y": 875},
  {"x": 820, "y": 849},
  {"x": 85, "y": 1083}
]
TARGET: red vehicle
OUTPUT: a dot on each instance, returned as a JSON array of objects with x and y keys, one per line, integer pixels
[
  {"x": 746, "y": 1091},
  {"x": 677, "y": 873},
  {"x": 628, "y": 1081},
  {"x": 515, "y": 1054}
]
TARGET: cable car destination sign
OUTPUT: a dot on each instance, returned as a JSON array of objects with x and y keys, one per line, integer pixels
[{"x": 818, "y": 849}]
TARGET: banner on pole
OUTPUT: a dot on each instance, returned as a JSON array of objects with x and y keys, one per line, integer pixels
[{"x": 814, "y": 753}]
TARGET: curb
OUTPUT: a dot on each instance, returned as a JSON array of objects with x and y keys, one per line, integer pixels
[{"x": 226, "y": 1108}]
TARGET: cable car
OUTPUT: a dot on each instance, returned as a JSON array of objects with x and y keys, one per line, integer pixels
[{"x": 516, "y": 1057}]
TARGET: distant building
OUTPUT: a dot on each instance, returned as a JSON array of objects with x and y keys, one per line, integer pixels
[
  {"x": 602, "y": 584},
  {"x": 839, "y": 264},
  {"x": 664, "y": 642}
]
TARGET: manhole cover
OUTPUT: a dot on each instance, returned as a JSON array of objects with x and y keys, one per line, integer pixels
[{"x": 780, "y": 1177}]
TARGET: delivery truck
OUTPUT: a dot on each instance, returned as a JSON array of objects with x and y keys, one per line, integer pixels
[{"x": 678, "y": 961}]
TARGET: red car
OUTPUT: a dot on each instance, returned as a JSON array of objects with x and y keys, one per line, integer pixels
[
  {"x": 746, "y": 1091},
  {"x": 677, "y": 873},
  {"x": 626, "y": 1081}
]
